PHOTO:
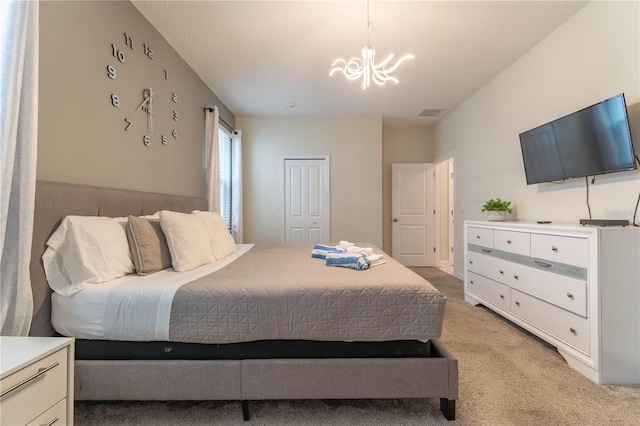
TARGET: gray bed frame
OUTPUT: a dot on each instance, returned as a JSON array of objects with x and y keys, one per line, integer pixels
[{"x": 241, "y": 380}]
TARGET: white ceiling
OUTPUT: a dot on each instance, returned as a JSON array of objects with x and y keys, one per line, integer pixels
[{"x": 258, "y": 56}]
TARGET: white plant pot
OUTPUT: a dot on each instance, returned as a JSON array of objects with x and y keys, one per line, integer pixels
[{"x": 494, "y": 216}]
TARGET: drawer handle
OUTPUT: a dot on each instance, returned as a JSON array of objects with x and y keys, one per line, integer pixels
[
  {"x": 573, "y": 330},
  {"x": 570, "y": 295},
  {"x": 478, "y": 236},
  {"x": 40, "y": 372},
  {"x": 471, "y": 262},
  {"x": 508, "y": 241},
  {"x": 486, "y": 250},
  {"x": 545, "y": 264},
  {"x": 501, "y": 272},
  {"x": 517, "y": 303},
  {"x": 52, "y": 422},
  {"x": 516, "y": 277},
  {"x": 470, "y": 281},
  {"x": 502, "y": 296},
  {"x": 554, "y": 249}
]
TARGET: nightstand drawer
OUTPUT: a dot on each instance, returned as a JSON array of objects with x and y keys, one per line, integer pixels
[
  {"x": 34, "y": 389},
  {"x": 56, "y": 415},
  {"x": 480, "y": 236},
  {"x": 513, "y": 242},
  {"x": 561, "y": 249}
]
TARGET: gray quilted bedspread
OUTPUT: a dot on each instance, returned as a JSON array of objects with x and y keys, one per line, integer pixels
[{"x": 280, "y": 292}]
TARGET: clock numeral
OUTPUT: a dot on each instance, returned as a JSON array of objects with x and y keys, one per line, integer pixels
[
  {"x": 164, "y": 140},
  {"x": 115, "y": 100},
  {"x": 111, "y": 72},
  {"x": 128, "y": 40},
  {"x": 175, "y": 134},
  {"x": 146, "y": 140},
  {"x": 174, "y": 97},
  {"x": 117, "y": 53},
  {"x": 129, "y": 123},
  {"x": 166, "y": 75},
  {"x": 175, "y": 115},
  {"x": 148, "y": 51}
]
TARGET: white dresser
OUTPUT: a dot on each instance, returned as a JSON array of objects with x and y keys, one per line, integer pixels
[
  {"x": 36, "y": 380},
  {"x": 576, "y": 287}
]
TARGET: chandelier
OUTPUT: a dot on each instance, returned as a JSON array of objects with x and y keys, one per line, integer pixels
[{"x": 365, "y": 66}]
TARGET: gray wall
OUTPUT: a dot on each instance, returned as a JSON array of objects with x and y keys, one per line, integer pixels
[{"x": 81, "y": 134}]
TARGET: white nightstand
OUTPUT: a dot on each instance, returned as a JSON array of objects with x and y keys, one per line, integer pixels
[{"x": 36, "y": 380}]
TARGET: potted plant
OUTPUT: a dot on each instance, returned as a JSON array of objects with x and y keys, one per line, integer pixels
[{"x": 497, "y": 209}]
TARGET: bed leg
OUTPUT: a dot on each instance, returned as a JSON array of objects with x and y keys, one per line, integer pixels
[
  {"x": 448, "y": 408},
  {"x": 245, "y": 410}
]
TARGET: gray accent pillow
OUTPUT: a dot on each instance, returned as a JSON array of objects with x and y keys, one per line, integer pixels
[{"x": 148, "y": 245}]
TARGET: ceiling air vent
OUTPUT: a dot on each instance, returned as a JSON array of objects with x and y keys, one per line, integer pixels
[{"x": 430, "y": 112}]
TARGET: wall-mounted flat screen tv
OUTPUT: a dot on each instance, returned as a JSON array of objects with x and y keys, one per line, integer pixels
[{"x": 592, "y": 141}]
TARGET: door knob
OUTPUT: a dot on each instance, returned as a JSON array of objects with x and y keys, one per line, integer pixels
[{"x": 395, "y": 219}]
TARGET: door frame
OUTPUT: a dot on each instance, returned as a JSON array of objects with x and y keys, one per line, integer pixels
[
  {"x": 283, "y": 195},
  {"x": 446, "y": 158}
]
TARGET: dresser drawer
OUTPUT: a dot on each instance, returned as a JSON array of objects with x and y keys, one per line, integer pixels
[
  {"x": 565, "y": 292},
  {"x": 563, "y": 325},
  {"x": 36, "y": 388},
  {"x": 54, "y": 416},
  {"x": 491, "y": 267},
  {"x": 489, "y": 290},
  {"x": 561, "y": 249},
  {"x": 513, "y": 242},
  {"x": 480, "y": 236}
]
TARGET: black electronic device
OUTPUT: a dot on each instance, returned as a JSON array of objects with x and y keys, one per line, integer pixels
[
  {"x": 592, "y": 141},
  {"x": 604, "y": 222}
]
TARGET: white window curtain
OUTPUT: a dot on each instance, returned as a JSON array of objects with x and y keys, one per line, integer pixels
[
  {"x": 236, "y": 186},
  {"x": 19, "y": 34},
  {"x": 211, "y": 139}
]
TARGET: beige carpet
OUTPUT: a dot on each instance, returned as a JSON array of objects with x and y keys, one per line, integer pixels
[{"x": 507, "y": 377}]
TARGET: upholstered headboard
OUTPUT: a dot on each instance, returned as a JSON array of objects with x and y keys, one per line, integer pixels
[{"x": 55, "y": 200}]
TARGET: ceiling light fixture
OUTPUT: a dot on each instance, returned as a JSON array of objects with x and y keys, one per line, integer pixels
[{"x": 365, "y": 67}]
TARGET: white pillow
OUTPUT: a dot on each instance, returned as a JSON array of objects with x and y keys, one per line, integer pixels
[
  {"x": 86, "y": 250},
  {"x": 222, "y": 243},
  {"x": 187, "y": 239}
]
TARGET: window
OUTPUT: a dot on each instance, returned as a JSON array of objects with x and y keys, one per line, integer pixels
[
  {"x": 224, "y": 158},
  {"x": 6, "y": 15}
]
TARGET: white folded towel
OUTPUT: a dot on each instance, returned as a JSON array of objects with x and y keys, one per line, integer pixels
[
  {"x": 356, "y": 249},
  {"x": 345, "y": 244},
  {"x": 352, "y": 248},
  {"x": 375, "y": 259}
]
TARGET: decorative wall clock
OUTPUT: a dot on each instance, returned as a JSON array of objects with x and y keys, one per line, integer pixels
[{"x": 134, "y": 94}]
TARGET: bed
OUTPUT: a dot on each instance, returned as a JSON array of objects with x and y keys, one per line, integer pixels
[{"x": 314, "y": 340}]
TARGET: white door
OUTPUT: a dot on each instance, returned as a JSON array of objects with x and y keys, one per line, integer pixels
[
  {"x": 413, "y": 213},
  {"x": 306, "y": 194}
]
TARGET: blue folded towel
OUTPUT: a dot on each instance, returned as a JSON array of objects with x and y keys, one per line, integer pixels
[
  {"x": 357, "y": 261},
  {"x": 320, "y": 251}
]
